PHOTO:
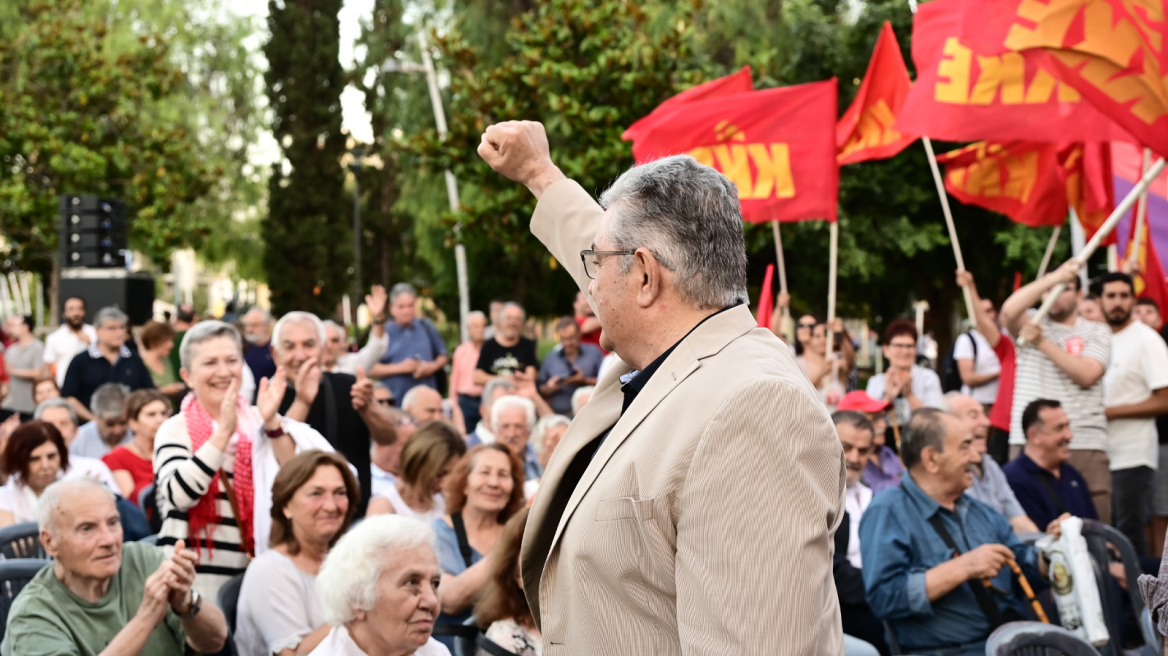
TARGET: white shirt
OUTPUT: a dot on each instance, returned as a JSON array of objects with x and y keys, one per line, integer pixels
[
  {"x": 62, "y": 344},
  {"x": 856, "y": 500},
  {"x": 1139, "y": 364},
  {"x": 380, "y": 480},
  {"x": 985, "y": 363},
  {"x": 926, "y": 386},
  {"x": 338, "y": 643}
]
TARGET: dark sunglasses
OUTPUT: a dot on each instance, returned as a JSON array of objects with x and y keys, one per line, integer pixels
[{"x": 389, "y": 402}]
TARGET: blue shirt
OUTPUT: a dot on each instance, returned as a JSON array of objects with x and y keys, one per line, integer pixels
[
  {"x": 451, "y": 562},
  {"x": 557, "y": 364},
  {"x": 1026, "y": 479},
  {"x": 992, "y": 489},
  {"x": 898, "y": 545},
  {"x": 418, "y": 340}
]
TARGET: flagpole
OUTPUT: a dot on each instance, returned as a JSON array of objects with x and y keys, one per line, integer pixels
[
  {"x": 1108, "y": 226},
  {"x": 1141, "y": 214},
  {"x": 832, "y": 260},
  {"x": 1054, "y": 237},
  {"x": 928, "y": 143},
  {"x": 786, "y": 311}
]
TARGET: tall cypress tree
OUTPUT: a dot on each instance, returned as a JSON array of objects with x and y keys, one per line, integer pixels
[{"x": 307, "y": 231}]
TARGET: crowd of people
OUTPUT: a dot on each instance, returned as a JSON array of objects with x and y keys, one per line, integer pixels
[{"x": 247, "y": 451}]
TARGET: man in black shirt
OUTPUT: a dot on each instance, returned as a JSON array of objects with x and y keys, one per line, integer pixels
[
  {"x": 339, "y": 406},
  {"x": 108, "y": 360},
  {"x": 508, "y": 353}
]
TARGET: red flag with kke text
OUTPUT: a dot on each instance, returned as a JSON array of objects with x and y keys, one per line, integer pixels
[
  {"x": 777, "y": 146},
  {"x": 1019, "y": 179},
  {"x": 1110, "y": 51},
  {"x": 739, "y": 82},
  {"x": 865, "y": 131},
  {"x": 966, "y": 92}
]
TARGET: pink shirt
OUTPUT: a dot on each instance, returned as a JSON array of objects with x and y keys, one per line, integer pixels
[{"x": 462, "y": 368}]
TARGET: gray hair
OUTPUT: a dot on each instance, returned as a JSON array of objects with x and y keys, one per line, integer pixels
[
  {"x": 513, "y": 304},
  {"x": 412, "y": 393},
  {"x": 402, "y": 288},
  {"x": 348, "y": 578},
  {"x": 202, "y": 332},
  {"x": 476, "y": 314},
  {"x": 57, "y": 403},
  {"x": 109, "y": 314},
  {"x": 109, "y": 400},
  {"x": 505, "y": 403},
  {"x": 925, "y": 429},
  {"x": 265, "y": 316},
  {"x": 492, "y": 389},
  {"x": 544, "y": 425},
  {"x": 688, "y": 216},
  {"x": 298, "y": 317},
  {"x": 329, "y": 323},
  {"x": 50, "y": 501},
  {"x": 578, "y": 397}
]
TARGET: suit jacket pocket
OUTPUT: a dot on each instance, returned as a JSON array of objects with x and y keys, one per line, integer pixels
[{"x": 614, "y": 509}]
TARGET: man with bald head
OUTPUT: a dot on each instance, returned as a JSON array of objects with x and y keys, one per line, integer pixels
[
  {"x": 424, "y": 404},
  {"x": 100, "y": 595},
  {"x": 989, "y": 483}
]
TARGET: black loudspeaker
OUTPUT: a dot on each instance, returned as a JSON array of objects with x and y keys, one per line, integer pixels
[
  {"x": 132, "y": 293},
  {"x": 93, "y": 232}
]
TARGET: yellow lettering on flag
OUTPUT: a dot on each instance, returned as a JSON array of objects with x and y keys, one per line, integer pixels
[
  {"x": 873, "y": 129},
  {"x": 1001, "y": 77},
  {"x": 984, "y": 175},
  {"x": 772, "y": 165},
  {"x": 953, "y": 73},
  {"x": 1107, "y": 55},
  {"x": 1005, "y": 72}
]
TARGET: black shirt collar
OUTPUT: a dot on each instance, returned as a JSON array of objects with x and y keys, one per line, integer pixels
[{"x": 635, "y": 381}]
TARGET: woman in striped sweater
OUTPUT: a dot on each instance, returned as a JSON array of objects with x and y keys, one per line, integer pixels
[{"x": 212, "y": 458}]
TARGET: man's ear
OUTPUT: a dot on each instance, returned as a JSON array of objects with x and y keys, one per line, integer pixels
[
  {"x": 48, "y": 541},
  {"x": 650, "y": 276}
]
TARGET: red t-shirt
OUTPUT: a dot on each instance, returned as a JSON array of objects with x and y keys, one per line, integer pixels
[
  {"x": 3, "y": 370},
  {"x": 589, "y": 338},
  {"x": 141, "y": 469},
  {"x": 1000, "y": 413}
]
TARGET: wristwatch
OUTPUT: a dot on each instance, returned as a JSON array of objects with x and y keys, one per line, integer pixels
[{"x": 195, "y": 607}]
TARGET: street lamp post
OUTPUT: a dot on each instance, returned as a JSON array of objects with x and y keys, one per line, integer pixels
[
  {"x": 427, "y": 67},
  {"x": 355, "y": 166}
]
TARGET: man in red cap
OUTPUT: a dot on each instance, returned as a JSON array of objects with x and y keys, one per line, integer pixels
[{"x": 884, "y": 467}]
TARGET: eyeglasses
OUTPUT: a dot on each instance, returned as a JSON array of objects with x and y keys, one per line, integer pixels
[
  {"x": 806, "y": 325},
  {"x": 902, "y": 346},
  {"x": 590, "y": 269},
  {"x": 389, "y": 402}
]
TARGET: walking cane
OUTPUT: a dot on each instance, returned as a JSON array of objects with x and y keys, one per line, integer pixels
[{"x": 1029, "y": 592}]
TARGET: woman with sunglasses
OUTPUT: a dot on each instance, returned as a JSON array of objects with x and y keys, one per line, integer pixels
[{"x": 829, "y": 375}]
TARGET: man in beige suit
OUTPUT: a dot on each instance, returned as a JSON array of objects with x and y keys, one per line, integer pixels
[{"x": 690, "y": 507}]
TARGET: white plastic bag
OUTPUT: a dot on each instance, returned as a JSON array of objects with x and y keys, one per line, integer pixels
[{"x": 1072, "y": 577}]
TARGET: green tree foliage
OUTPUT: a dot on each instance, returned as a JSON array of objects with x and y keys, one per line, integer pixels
[
  {"x": 78, "y": 115},
  {"x": 307, "y": 230},
  {"x": 587, "y": 70}
]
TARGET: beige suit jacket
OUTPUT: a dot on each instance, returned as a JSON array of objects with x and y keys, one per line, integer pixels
[{"x": 704, "y": 522}]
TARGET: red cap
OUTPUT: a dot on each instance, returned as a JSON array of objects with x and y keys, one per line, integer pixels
[{"x": 859, "y": 400}]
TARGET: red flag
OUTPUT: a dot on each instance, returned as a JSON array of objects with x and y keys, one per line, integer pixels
[
  {"x": 967, "y": 93},
  {"x": 753, "y": 138},
  {"x": 865, "y": 131},
  {"x": 739, "y": 82},
  {"x": 1110, "y": 51},
  {"x": 1086, "y": 173},
  {"x": 1149, "y": 282},
  {"x": 1019, "y": 179},
  {"x": 766, "y": 299}
]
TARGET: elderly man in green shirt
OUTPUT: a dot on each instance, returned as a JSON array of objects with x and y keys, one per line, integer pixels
[{"x": 103, "y": 597}]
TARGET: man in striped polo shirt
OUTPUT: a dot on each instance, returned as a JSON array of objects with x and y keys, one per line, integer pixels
[{"x": 1064, "y": 358}]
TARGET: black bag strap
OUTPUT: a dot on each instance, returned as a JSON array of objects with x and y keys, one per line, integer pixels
[
  {"x": 980, "y": 593},
  {"x": 491, "y": 647},
  {"x": 463, "y": 543},
  {"x": 330, "y": 409},
  {"x": 1044, "y": 478}
]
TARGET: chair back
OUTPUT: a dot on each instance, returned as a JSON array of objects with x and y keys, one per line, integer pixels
[
  {"x": 1036, "y": 639},
  {"x": 15, "y": 573},
  {"x": 462, "y": 636},
  {"x": 21, "y": 540},
  {"x": 1098, "y": 536},
  {"x": 229, "y": 601},
  {"x": 148, "y": 502}
]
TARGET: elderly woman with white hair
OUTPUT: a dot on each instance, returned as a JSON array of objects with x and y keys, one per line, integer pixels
[
  {"x": 378, "y": 588},
  {"x": 216, "y": 459}
]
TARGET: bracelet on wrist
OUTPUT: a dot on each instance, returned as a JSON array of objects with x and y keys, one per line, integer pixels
[{"x": 278, "y": 431}]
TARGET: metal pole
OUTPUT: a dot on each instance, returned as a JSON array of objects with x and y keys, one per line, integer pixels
[
  {"x": 356, "y": 238},
  {"x": 451, "y": 189}
]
